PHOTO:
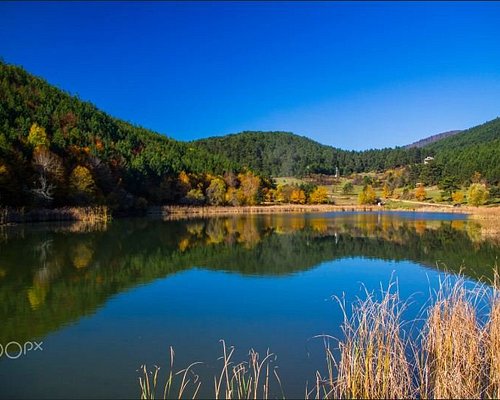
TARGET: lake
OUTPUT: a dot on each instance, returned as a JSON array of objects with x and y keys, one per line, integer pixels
[{"x": 105, "y": 299}]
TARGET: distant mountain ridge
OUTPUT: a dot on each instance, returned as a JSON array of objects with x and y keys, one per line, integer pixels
[{"x": 431, "y": 139}]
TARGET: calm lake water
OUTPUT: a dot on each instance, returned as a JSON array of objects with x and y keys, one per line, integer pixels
[{"x": 106, "y": 299}]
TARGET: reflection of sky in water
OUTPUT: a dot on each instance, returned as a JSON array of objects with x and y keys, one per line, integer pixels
[{"x": 111, "y": 300}]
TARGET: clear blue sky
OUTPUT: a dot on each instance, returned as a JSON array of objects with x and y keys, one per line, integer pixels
[{"x": 353, "y": 75}]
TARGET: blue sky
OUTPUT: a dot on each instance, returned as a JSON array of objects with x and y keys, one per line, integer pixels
[{"x": 353, "y": 75}]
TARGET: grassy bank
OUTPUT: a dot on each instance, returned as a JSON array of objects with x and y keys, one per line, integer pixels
[
  {"x": 87, "y": 214},
  {"x": 456, "y": 354}
]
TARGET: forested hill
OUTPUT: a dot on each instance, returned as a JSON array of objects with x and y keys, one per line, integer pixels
[
  {"x": 475, "y": 149},
  {"x": 287, "y": 154},
  {"x": 45, "y": 134}
]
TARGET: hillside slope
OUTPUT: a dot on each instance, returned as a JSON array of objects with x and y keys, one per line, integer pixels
[
  {"x": 40, "y": 123},
  {"x": 287, "y": 154},
  {"x": 475, "y": 149}
]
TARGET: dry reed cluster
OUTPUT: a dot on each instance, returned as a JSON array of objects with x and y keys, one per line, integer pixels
[
  {"x": 87, "y": 214},
  {"x": 456, "y": 354}
]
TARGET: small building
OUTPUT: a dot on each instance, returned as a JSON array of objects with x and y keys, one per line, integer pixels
[{"x": 428, "y": 159}]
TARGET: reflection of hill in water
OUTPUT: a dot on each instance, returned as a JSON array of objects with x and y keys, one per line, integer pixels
[{"x": 53, "y": 276}]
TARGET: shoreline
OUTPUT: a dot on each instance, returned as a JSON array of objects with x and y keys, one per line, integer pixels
[
  {"x": 489, "y": 214},
  {"x": 193, "y": 211}
]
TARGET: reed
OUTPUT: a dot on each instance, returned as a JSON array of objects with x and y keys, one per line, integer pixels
[
  {"x": 452, "y": 348},
  {"x": 245, "y": 380},
  {"x": 492, "y": 343},
  {"x": 86, "y": 214},
  {"x": 251, "y": 379},
  {"x": 181, "y": 384}
]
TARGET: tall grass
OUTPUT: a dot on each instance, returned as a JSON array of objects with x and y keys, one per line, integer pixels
[
  {"x": 455, "y": 354},
  {"x": 87, "y": 214},
  {"x": 250, "y": 379},
  {"x": 372, "y": 360},
  {"x": 452, "y": 347}
]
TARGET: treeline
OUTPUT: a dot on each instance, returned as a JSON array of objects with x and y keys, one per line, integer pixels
[
  {"x": 58, "y": 150},
  {"x": 287, "y": 154},
  {"x": 284, "y": 154}
]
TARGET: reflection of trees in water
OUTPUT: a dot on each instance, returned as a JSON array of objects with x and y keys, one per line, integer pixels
[{"x": 70, "y": 275}]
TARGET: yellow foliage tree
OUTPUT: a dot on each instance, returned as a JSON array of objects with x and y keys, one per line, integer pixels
[
  {"x": 82, "y": 184},
  {"x": 367, "y": 195},
  {"x": 37, "y": 136},
  {"x": 319, "y": 195},
  {"x": 232, "y": 197},
  {"x": 387, "y": 191},
  {"x": 457, "y": 197},
  {"x": 420, "y": 193},
  {"x": 298, "y": 196},
  {"x": 249, "y": 188}
]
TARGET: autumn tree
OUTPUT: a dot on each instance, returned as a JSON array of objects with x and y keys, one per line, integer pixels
[
  {"x": 457, "y": 197},
  {"x": 298, "y": 196},
  {"x": 231, "y": 197},
  {"x": 367, "y": 195},
  {"x": 420, "y": 193},
  {"x": 319, "y": 196},
  {"x": 476, "y": 177},
  {"x": 387, "y": 191},
  {"x": 478, "y": 194},
  {"x": 249, "y": 188},
  {"x": 82, "y": 185},
  {"x": 284, "y": 193},
  {"x": 37, "y": 136}
]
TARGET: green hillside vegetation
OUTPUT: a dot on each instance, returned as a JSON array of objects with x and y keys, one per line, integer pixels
[
  {"x": 282, "y": 154},
  {"x": 58, "y": 150},
  {"x": 285, "y": 154},
  {"x": 476, "y": 149}
]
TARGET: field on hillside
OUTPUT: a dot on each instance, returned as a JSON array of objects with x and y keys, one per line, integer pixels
[{"x": 399, "y": 199}]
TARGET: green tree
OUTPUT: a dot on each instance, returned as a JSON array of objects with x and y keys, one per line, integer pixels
[
  {"x": 216, "y": 192},
  {"x": 195, "y": 197},
  {"x": 347, "y": 188},
  {"x": 478, "y": 194},
  {"x": 448, "y": 185}
]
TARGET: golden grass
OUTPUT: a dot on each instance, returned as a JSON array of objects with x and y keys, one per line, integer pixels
[
  {"x": 86, "y": 214},
  {"x": 452, "y": 346},
  {"x": 372, "y": 355},
  {"x": 492, "y": 340}
]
